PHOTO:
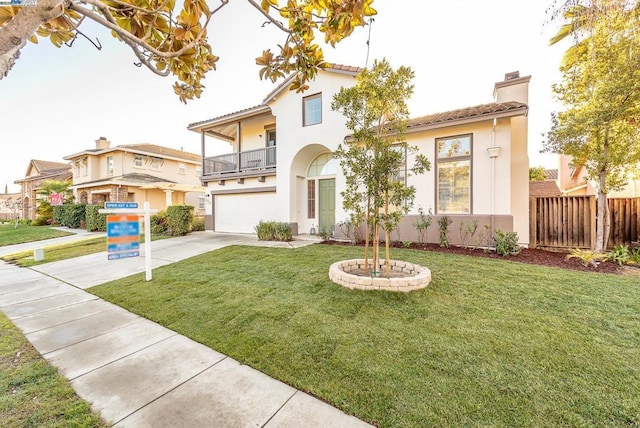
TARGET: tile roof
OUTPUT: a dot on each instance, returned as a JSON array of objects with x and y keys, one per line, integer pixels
[
  {"x": 244, "y": 110},
  {"x": 135, "y": 178},
  {"x": 46, "y": 166},
  {"x": 551, "y": 174},
  {"x": 161, "y": 151},
  {"x": 479, "y": 111},
  {"x": 544, "y": 188}
]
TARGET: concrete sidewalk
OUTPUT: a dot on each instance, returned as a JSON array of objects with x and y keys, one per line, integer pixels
[{"x": 135, "y": 372}]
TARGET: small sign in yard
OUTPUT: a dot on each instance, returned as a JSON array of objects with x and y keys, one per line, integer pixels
[
  {"x": 123, "y": 236},
  {"x": 111, "y": 205}
]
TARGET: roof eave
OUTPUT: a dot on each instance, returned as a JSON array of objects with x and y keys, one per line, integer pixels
[
  {"x": 256, "y": 111},
  {"x": 520, "y": 111}
]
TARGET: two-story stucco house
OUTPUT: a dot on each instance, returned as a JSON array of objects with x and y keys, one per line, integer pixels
[
  {"x": 137, "y": 173},
  {"x": 281, "y": 166},
  {"x": 38, "y": 172}
]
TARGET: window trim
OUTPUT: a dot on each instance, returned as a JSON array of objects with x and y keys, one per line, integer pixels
[
  {"x": 304, "y": 109},
  {"x": 453, "y": 159},
  {"x": 110, "y": 165},
  {"x": 311, "y": 198}
]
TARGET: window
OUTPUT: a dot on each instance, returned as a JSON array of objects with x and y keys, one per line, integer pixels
[
  {"x": 453, "y": 174},
  {"x": 402, "y": 170},
  {"x": 200, "y": 202},
  {"x": 182, "y": 168},
  {"x": 199, "y": 170},
  {"x": 324, "y": 164},
  {"x": 156, "y": 163},
  {"x": 311, "y": 199},
  {"x": 271, "y": 138},
  {"x": 109, "y": 165},
  {"x": 138, "y": 161},
  {"x": 312, "y": 110}
]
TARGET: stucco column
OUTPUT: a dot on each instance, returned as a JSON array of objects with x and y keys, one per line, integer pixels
[{"x": 168, "y": 197}]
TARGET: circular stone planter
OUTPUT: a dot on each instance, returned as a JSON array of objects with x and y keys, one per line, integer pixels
[{"x": 405, "y": 276}]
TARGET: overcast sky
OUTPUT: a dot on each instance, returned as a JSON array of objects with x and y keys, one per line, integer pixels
[{"x": 56, "y": 102}]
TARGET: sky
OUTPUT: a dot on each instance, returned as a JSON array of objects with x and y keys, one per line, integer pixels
[{"x": 57, "y": 101}]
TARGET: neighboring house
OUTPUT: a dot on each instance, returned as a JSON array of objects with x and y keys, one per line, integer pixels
[
  {"x": 137, "y": 173},
  {"x": 37, "y": 173},
  {"x": 282, "y": 168},
  {"x": 573, "y": 182},
  {"x": 546, "y": 187},
  {"x": 10, "y": 206}
]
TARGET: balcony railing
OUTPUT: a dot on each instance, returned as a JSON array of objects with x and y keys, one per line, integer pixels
[{"x": 250, "y": 160}]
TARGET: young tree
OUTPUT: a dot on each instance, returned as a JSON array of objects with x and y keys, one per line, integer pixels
[
  {"x": 13, "y": 204},
  {"x": 170, "y": 37},
  {"x": 601, "y": 91},
  {"x": 49, "y": 187},
  {"x": 373, "y": 162},
  {"x": 537, "y": 173}
]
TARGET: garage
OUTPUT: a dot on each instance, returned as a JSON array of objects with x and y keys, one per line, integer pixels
[{"x": 240, "y": 213}]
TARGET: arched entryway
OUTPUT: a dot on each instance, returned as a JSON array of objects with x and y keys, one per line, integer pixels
[{"x": 321, "y": 185}]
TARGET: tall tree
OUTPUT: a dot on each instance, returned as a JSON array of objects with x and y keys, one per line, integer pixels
[
  {"x": 49, "y": 187},
  {"x": 374, "y": 161},
  {"x": 600, "y": 89},
  {"x": 170, "y": 37}
]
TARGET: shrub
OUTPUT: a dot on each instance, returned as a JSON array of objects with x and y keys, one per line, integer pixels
[
  {"x": 159, "y": 224},
  {"x": 619, "y": 255},
  {"x": 325, "y": 233},
  {"x": 506, "y": 243},
  {"x": 422, "y": 225},
  {"x": 179, "y": 219},
  {"x": 273, "y": 231},
  {"x": 443, "y": 225},
  {"x": 634, "y": 257},
  {"x": 198, "y": 224},
  {"x": 69, "y": 215},
  {"x": 95, "y": 220},
  {"x": 587, "y": 257},
  {"x": 41, "y": 221}
]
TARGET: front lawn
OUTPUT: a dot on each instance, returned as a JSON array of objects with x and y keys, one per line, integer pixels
[
  {"x": 488, "y": 343},
  {"x": 23, "y": 233},
  {"x": 32, "y": 393}
]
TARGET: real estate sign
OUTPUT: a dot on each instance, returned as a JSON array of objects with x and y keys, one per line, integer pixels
[{"x": 123, "y": 236}]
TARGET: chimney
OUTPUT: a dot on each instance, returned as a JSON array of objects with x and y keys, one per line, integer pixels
[
  {"x": 512, "y": 88},
  {"x": 102, "y": 143}
]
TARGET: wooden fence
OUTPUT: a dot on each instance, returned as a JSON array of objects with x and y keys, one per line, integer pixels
[{"x": 570, "y": 221}]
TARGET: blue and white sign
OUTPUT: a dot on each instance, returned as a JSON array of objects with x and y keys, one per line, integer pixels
[{"x": 119, "y": 205}]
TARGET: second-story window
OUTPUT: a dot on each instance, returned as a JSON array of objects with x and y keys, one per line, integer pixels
[
  {"x": 109, "y": 165},
  {"x": 138, "y": 161},
  {"x": 312, "y": 110},
  {"x": 182, "y": 168}
]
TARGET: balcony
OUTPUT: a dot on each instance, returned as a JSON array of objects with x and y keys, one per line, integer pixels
[{"x": 247, "y": 161}]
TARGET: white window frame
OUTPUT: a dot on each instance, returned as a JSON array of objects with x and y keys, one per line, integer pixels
[{"x": 312, "y": 114}]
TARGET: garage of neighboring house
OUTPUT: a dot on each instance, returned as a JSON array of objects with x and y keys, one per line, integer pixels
[{"x": 240, "y": 212}]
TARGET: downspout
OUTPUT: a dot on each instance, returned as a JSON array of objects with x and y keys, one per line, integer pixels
[{"x": 493, "y": 156}]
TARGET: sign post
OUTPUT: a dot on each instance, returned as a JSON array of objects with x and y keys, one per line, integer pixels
[{"x": 123, "y": 231}]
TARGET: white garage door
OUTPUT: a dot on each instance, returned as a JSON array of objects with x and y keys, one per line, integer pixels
[{"x": 241, "y": 213}]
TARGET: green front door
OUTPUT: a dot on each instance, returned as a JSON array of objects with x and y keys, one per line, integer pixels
[{"x": 327, "y": 203}]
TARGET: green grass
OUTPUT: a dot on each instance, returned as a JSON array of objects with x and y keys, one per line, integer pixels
[
  {"x": 54, "y": 253},
  {"x": 488, "y": 343},
  {"x": 10, "y": 235},
  {"x": 32, "y": 393}
]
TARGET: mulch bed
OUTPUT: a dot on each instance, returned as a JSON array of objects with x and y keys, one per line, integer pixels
[{"x": 527, "y": 255}]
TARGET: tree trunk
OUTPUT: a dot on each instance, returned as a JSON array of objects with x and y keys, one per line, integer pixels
[
  {"x": 387, "y": 237},
  {"x": 602, "y": 227},
  {"x": 367, "y": 231},
  {"x": 14, "y": 34}
]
